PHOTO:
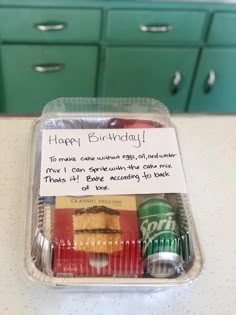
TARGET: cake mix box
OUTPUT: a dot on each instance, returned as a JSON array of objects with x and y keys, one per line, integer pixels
[{"x": 96, "y": 235}]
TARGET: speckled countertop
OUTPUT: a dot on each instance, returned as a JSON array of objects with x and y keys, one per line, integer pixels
[{"x": 208, "y": 145}]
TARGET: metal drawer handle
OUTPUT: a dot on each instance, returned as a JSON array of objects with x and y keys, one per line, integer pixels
[
  {"x": 45, "y": 27},
  {"x": 176, "y": 82},
  {"x": 48, "y": 68},
  {"x": 210, "y": 82},
  {"x": 155, "y": 29}
]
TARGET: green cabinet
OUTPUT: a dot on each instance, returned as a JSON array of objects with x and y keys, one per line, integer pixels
[
  {"x": 180, "y": 53},
  {"x": 162, "y": 73},
  {"x": 34, "y": 75},
  {"x": 223, "y": 28},
  {"x": 155, "y": 26},
  {"x": 214, "y": 87},
  {"x": 49, "y": 24}
]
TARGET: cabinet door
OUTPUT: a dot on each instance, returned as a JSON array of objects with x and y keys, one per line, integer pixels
[
  {"x": 161, "y": 73},
  {"x": 214, "y": 88},
  {"x": 34, "y": 75}
]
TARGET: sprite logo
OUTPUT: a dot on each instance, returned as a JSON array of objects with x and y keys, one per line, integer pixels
[
  {"x": 154, "y": 225},
  {"x": 159, "y": 226}
]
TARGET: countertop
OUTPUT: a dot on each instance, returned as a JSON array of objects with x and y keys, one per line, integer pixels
[{"x": 208, "y": 145}]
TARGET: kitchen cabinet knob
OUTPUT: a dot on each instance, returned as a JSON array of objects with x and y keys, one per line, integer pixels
[
  {"x": 48, "y": 68},
  {"x": 155, "y": 28},
  {"x": 176, "y": 82},
  {"x": 45, "y": 27},
  {"x": 210, "y": 82}
]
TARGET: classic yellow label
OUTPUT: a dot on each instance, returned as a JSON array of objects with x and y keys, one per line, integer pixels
[{"x": 113, "y": 202}]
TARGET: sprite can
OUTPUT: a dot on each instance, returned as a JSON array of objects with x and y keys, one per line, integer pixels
[{"x": 161, "y": 248}]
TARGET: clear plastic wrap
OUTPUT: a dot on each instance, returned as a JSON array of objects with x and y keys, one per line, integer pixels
[{"x": 107, "y": 241}]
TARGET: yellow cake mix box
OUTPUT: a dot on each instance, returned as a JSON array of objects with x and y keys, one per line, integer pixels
[{"x": 97, "y": 235}]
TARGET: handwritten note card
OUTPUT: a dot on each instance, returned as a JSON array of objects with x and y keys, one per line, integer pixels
[{"x": 110, "y": 161}]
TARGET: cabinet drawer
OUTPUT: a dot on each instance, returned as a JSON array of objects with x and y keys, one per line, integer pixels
[
  {"x": 34, "y": 75},
  {"x": 155, "y": 26},
  {"x": 49, "y": 25},
  {"x": 223, "y": 29}
]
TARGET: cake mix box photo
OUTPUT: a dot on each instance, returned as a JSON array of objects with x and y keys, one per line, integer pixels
[{"x": 96, "y": 235}]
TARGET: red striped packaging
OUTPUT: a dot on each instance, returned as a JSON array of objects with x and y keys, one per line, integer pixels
[{"x": 96, "y": 236}]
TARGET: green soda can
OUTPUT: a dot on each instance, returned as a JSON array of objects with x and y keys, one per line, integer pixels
[{"x": 161, "y": 247}]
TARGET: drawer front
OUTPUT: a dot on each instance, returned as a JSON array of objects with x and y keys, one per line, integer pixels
[
  {"x": 161, "y": 73},
  {"x": 47, "y": 72},
  {"x": 223, "y": 29},
  {"x": 49, "y": 25},
  {"x": 155, "y": 26}
]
